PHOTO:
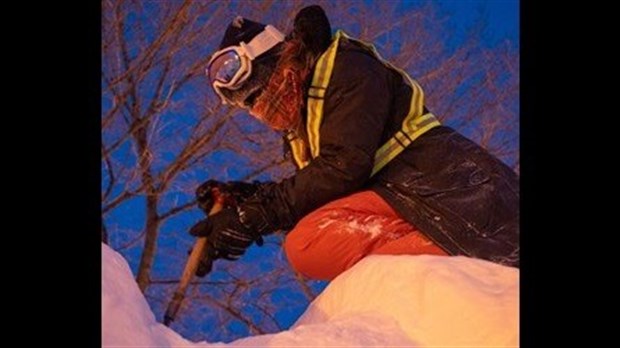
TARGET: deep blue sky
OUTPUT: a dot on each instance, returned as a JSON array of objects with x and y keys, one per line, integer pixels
[{"x": 502, "y": 18}]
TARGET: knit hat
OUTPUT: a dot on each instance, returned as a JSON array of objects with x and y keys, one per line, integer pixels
[{"x": 312, "y": 26}]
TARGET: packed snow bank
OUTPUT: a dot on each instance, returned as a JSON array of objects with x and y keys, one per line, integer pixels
[
  {"x": 126, "y": 319},
  {"x": 406, "y": 301},
  {"x": 437, "y": 301}
]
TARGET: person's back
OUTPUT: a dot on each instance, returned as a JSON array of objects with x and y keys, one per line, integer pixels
[{"x": 460, "y": 196}]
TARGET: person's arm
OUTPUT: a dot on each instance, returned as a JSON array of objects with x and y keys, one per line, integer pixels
[{"x": 356, "y": 107}]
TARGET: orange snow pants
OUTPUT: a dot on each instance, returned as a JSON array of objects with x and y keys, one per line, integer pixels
[{"x": 334, "y": 237}]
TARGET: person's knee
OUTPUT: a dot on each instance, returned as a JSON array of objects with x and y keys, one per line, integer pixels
[
  {"x": 318, "y": 249},
  {"x": 307, "y": 255},
  {"x": 295, "y": 247}
]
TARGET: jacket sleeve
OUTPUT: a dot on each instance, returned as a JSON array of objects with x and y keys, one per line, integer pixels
[{"x": 356, "y": 107}]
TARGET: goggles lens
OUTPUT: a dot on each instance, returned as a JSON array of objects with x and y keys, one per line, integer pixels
[{"x": 225, "y": 67}]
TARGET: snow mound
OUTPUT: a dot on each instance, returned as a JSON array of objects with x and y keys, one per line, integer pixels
[
  {"x": 436, "y": 301},
  {"x": 126, "y": 319},
  {"x": 405, "y": 301}
]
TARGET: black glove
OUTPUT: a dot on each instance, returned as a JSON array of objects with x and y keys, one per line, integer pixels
[
  {"x": 238, "y": 191},
  {"x": 229, "y": 233}
]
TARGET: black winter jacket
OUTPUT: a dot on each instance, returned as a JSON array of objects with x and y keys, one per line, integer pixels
[{"x": 454, "y": 191}]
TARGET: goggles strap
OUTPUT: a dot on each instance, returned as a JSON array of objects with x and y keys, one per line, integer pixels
[{"x": 262, "y": 42}]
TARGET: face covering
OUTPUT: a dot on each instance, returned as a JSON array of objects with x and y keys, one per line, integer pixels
[{"x": 279, "y": 105}]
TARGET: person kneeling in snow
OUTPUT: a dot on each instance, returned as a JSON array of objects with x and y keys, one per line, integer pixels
[{"x": 378, "y": 173}]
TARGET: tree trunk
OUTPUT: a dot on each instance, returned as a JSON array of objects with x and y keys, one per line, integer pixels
[
  {"x": 152, "y": 218},
  {"x": 150, "y": 244}
]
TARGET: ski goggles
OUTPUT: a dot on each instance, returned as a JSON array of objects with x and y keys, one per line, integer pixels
[{"x": 232, "y": 66}]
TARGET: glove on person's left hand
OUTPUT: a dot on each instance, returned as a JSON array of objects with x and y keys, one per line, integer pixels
[{"x": 230, "y": 233}]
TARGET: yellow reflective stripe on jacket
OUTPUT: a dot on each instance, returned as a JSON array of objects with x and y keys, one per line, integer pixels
[
  {"x": 316, "y": 93},
  {"x": 402, "y": 139},
  {"x": 298, "y": 149},
  {"x": 414, "y": 124}
]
